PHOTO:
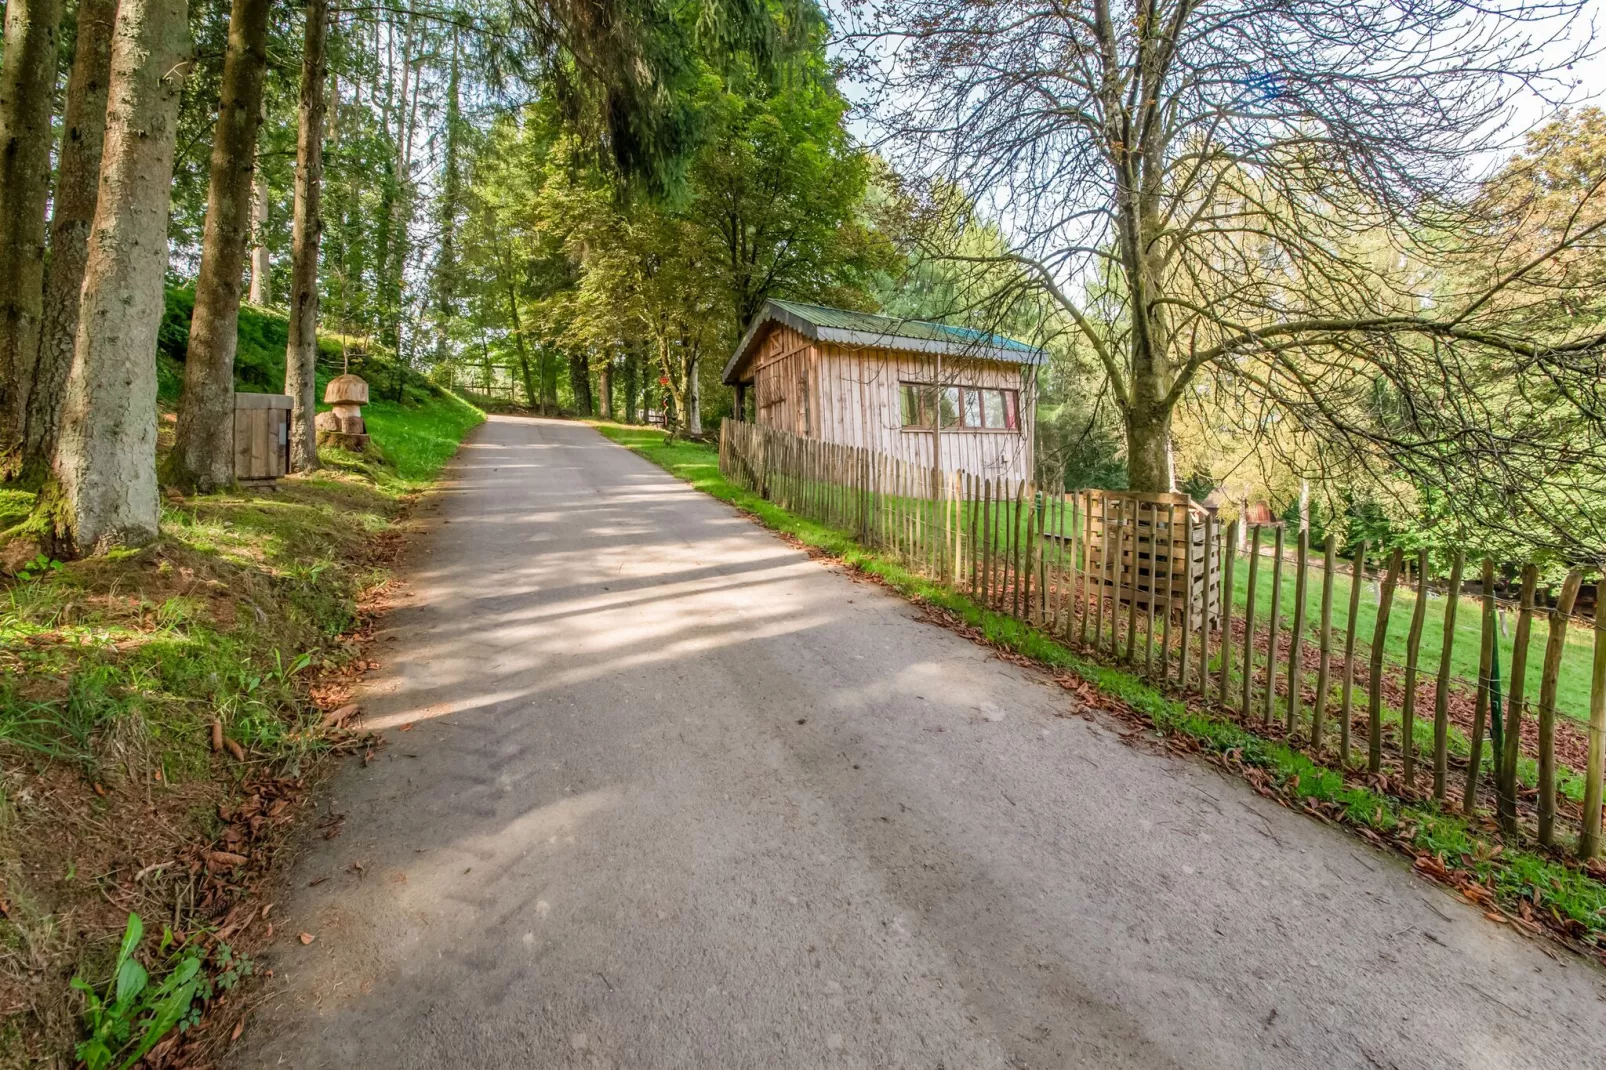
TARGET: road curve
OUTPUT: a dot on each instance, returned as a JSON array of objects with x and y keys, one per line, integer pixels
[{"x": 675, "y": 795}]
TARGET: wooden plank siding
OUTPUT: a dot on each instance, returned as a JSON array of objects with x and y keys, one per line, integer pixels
[
  {"x": 850, "y": 395},
  {"x": 261, "y": 436}
]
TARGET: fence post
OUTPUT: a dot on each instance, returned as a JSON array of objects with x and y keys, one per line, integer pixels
[
  {"x": 1554, "y": 645},
  {"x": 1044, "y": 523},
  {"x": 1273, "y": 624},
  {"x": 1087, "y": 571},
  {"x": 1480, "y": 712},
  {"x": 1318, "y": 717},
  {"x": 1347, "y": 697},
  {"x": 1413, "y": 646},
  {"x": 1171, "y": 595},
  {"x": 1374, "y": 706},
  {"x": 1211, "y": 532},
  {"x": 1441, "y": 692},
  {"x": 1297, "y": 635},
  {"x": 984, "y": 539},
  {"x": 1023, "y": 581},
  {"x": 1130, "y": 571},
  {"x": 1595, "y": 768},
  {"x": 1249, "y": 620},
  {"x": 1229, "y": 550},
  {"x": 1154, "y": 583},
  {"x": 1104, "y": 567},
  {"x": 1516, "y": 699}
]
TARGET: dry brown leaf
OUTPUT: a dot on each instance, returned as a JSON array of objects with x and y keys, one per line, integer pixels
[{"x": 336, "y": 718}]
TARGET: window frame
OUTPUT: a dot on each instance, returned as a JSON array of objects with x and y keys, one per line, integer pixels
[{"x": 924, "y": 392}]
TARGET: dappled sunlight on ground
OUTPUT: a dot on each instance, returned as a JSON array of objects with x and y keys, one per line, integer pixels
[{"x": 659, "y": 790}]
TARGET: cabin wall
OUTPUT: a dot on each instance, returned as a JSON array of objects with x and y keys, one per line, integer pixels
[
  {"x": 860, "y": 404},
  {"x": 851, "y": 395},
  {"x": 782, "y": 380}
]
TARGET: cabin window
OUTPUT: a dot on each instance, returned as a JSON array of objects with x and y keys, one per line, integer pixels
[
  {"x": 909, "y": 400},
  {"x": 970, "y": 407},
  {"x": 973, "y": 408}
]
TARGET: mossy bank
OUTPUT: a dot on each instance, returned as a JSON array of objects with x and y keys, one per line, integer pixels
[{"x": 156, "y": 702}]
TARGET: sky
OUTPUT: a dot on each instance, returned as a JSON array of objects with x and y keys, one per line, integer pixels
[{"x": 1529, "y": 112}]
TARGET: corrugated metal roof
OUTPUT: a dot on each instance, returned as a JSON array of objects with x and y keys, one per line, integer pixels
[{"x": 823, "y": 324}]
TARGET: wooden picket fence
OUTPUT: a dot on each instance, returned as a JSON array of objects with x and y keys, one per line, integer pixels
[{"x": 1147, "y": 580}]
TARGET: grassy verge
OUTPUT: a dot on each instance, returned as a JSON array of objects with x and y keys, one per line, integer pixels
[
  {"x": 1528, "y": 889},
  {"x": 1573, "y": 683},
  {"x": 243, "y": 619}
]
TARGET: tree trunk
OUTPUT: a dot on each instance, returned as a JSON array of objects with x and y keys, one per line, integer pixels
[
  {"x": 605, "y": 389},
  {"x": 398, "y": 204},
  {"x": 106, "y": 460},
  {"x": 632, "y": 384},
  {"x": 451, "y": 200},
  {"x": 549, "y": 381},
  {"x": 77, "y": 183},
  {"x": 27, "y": 90},
  {"x": 580, "y": 383},
  {"x": 518, "y": 340},
  {"x": 1148, "y": 448},
  {"x": 531, "y": 388},
  {"x": 203, "y": 451},
  {"x": 306, "y": 232},
  {"x": 694, "y": 395},
  {"x": 261, "y": 285}
]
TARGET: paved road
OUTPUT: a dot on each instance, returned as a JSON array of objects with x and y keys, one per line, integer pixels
[{"x": 678, "y": 796}]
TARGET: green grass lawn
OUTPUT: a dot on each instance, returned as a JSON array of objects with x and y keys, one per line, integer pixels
[
  {"x": 1573, "y": 684},
  {"x": 419, "y": 436},
  {"x": 1514, "y": 875},
  {"x": 1572, "y": 695}
]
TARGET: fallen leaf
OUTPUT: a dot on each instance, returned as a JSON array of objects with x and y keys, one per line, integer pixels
[
  {"x": 235, "y": 749},
  {"x": 225, "y": 859},
  {"x": 314, "y": 882},
  {"x": 306, "y": 938},
  {"x": 239, "y": 1027},
  {"x": 338, "y": 717},
  {"x": 408, "y": 727},
  {"x": 217, "y": 736}
]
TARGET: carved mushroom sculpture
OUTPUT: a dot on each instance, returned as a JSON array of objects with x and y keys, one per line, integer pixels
[{"x": 347, "y": 393}]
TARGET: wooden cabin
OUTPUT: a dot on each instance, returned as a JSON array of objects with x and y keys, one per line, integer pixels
[{"x": 869, "y": 381}]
